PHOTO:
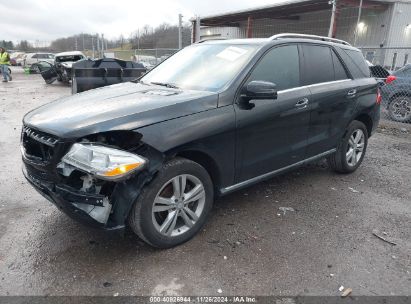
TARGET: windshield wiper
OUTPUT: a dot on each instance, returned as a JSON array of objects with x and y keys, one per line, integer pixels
[{"x": 165, "y": 84}]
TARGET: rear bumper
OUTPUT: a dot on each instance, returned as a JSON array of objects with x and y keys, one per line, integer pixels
[{"x": 80, "y": 206}]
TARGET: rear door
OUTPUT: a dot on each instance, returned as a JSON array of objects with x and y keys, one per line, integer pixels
[
  {"x": 333, "y": 97},
  {"x": 272, "y": 134}
]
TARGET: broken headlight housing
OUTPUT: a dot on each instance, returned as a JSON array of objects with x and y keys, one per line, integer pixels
[{"x": 103, "y": 162}]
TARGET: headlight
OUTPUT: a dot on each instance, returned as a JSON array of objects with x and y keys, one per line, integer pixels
[{"x": 106, "y": 163}]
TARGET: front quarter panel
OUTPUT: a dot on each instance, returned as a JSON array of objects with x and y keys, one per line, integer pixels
[{"x": 210, "y": 132}]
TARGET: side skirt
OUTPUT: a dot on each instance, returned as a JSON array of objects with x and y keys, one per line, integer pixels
[{"x": 268, "y": 175}]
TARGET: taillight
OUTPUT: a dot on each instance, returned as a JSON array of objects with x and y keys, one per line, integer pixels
[
  {"x": 390, "y": 79},
  {"x": 379, "y": 97}
]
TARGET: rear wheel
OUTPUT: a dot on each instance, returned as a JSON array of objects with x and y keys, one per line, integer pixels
[
  {"x": 399, "y": 109},
  {"x": 351, "y": 149},
  {"x": 174, "y": 206},
  {"x": 35, "y": 68}
]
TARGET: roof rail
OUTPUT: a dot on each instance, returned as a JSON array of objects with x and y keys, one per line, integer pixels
[
  {"x": 314, "y": 37},
  {"x": 216, "y": 38}
]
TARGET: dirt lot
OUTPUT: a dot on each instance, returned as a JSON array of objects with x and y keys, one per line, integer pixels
[{"x": 249, "y": 246}]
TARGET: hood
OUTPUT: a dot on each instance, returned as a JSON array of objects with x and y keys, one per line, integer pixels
[{"x": 124, "y": 106}]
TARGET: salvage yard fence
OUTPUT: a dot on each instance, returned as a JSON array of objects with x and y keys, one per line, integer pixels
[{"x": 154, "y": 56}]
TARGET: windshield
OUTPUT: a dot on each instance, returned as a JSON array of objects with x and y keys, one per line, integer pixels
[{"x": 205, "y": 67}]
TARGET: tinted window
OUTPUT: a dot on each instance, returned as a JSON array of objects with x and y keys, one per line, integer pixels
[
  {"x": 280, "y": 66},
  {"x": 339, "y": 70},
  {"x": 319, "y": 65},
  {"x": 34, "y": 56},
  {"x": 355, "y": 62}
]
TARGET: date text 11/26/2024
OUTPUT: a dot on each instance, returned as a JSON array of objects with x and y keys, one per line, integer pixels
[{"x": 203, "y": 299}]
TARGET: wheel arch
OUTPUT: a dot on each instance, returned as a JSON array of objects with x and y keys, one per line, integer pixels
[
  {"x": 206, "y": 161},
  {"x": 367, "y": 121}
]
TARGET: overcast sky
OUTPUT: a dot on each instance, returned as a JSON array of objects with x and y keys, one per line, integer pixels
[{"x": 46, "y": 20}]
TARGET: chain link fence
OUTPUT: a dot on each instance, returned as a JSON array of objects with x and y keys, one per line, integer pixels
[{"x": 148, "y": 57}]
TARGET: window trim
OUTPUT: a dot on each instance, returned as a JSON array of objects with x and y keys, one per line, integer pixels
[
  {"x": 332, "y": 50},
  {"x": 301, "y": 61},
  {"x": 314, "y": 85}
]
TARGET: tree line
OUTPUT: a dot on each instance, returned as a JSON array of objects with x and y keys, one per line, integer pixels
[{"x": 148, "y": 37}]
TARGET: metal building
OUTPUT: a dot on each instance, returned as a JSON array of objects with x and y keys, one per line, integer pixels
[{"x": 381, "y": 28}]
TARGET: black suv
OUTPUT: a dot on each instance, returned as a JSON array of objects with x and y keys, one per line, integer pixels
[{"x": 215, "y": 117}]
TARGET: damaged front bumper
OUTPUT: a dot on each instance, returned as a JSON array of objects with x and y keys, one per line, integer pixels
[
  {"x": 82, "y": 196},
  {"x": 88, "y": 208}
]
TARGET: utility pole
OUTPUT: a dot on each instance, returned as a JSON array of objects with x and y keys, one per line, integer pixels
[
  {"x": 92, "y": 45},
  {"x": 197, "y": 29},
  {"x": 75, "y": 43},
  {"x": 102, "y": 45},
  {"x": 357, "y": 25},
  {"x": 138, "y": 38},
  {"x": 98, "y": 46},
  {"x": 334, "y": 9},
  {"x": 180, "y": 31}
]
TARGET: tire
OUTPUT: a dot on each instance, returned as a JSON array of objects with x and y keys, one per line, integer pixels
[
  {"x": 399, "y": 109},
  {"x": 157, "y": 203},
  {"x": 35, "y": 69},
  {"x": 341, "y": 161}
]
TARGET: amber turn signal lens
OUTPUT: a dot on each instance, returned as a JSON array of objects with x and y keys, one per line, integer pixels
[{"x": 122, "y": 169}]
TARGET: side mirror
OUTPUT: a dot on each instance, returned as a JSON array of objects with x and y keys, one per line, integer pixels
[{"x": 258, "y": 89}]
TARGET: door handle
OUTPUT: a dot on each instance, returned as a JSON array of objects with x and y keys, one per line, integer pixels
[
  {"x": 302, "y": 103},
  {"x": 352, "y": 93}
]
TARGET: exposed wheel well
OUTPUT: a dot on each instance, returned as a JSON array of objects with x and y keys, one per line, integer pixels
[
  {"x": 367, "y": 121},
  {"x": 206, "y": 161}
]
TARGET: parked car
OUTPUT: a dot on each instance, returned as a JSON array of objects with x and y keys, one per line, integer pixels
[
  {"x": 396, "y": 94},
  {"x": 16, "y": 58},
  {"x": 215, "y": 117},
  {"x": 20, "y": 59},
  {"x": 379, "y": 72},
  {"x": 61, "y": 68},
  {"x": 31, "y": 58}
]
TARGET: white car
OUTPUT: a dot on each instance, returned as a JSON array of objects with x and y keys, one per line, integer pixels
[
  {"x": 36, "y": 57},
  {"x": 16, "y": 58}
]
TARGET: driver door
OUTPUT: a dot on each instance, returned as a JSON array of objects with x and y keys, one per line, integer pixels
[{"x": 272, "y": 134}]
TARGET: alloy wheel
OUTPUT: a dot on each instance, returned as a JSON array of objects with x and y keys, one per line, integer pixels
[
  {"x": 355, "y": 148},
  {"x": 178, "y": 205},
  {"x": 401, "y": 108}
]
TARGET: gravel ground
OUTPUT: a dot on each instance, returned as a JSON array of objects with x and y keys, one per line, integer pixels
[{"x": 248, "y": 246}]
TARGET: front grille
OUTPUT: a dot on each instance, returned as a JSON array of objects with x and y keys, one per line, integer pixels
[{"x": 38, "y": 145}]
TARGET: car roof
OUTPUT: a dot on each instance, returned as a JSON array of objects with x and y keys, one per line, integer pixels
[
  {"x": 70, "y": 53},
  {"x": 269, "y": 41},
  {"x": 235, "y": 41}
]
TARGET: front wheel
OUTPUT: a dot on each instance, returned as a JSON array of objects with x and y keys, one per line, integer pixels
[
  {"x": 174, "y": 206},
  {"x": 351, "y": 149}
]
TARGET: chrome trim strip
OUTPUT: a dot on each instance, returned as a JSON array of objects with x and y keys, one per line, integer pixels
[
  {"x": 256, "y": 179},
  {"x": 313, "y": 85}
]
